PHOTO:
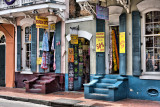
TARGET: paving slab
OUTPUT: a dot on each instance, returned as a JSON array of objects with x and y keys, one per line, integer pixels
[{"x": 70, "y": 99}]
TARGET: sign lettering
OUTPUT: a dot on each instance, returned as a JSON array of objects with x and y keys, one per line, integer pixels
[
  {"x": 122, "y": 42},
  {"x": 100, "y": 42},
  {"x": 41, "y": 22}
]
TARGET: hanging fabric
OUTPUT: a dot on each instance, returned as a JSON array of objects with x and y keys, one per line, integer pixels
[
  {"x": 53, "y": 46},
  {"x": 43, "y": 64},
  {"x": 110, "y": 52},
  {"x": 114, "y": 51},
  {"x": 54, "y": 63},
  {"x": 45, "y": 45}
]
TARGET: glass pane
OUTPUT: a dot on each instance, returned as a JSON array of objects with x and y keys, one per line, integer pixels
[
  {"x": 27, "y": 55},
  {"x": 27, "y": 30},
  {"x": 156, "y": 16},
  {"x": 156, "y": 28},
  {"x": 157, "y": 66},
  {"x": 157, "y": 41},
  {"x": 149, "y": 59},
  {"x": 149, "y": 29},
  {"x": 149, "y": 17},
  {"x": 157, "y": 53},
  {"x": 27, "y": 64},
  {"x": 149, "y": 41},
  {"x": 27, "y": 47}
]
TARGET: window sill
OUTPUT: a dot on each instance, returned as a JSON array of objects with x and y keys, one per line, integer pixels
[
  {"x": 150, "y": 77},
  {"x": 27, "y": 72}
]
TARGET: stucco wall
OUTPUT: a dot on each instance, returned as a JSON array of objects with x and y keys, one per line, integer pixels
[
  {"x": 89, "y": 26},
  {"x": 10, "y": 63}
]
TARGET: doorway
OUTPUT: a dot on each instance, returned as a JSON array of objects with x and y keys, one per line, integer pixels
[
  {"x": 79, "y": 64},
  {"x": 114, "y": 50},
  {"x": 2, "y": 60}
]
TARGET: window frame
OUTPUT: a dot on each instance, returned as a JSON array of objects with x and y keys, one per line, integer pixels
[
  {"x": 143, "y": 40},
  {"x": 24, "y": 43}
]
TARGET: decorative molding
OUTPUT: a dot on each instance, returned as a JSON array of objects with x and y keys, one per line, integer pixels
[
  {"x": 114, "y": 13},
  {"x": 126, "y": 4},
  {"x": 80, "y": 19},
  {"x": 26, "y": 21},
  {"x": 148, "y": 4},
  {"x": 81, "y": 33}
]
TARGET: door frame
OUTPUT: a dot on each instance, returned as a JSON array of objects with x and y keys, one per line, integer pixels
[{"x": 5, "y": 61}]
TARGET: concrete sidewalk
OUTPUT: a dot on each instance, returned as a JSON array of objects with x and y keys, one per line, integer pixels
[{"x": 70, "y": 99}]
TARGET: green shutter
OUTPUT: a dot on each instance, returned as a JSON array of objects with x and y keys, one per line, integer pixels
[
  {"x": 33, "y": 48},
  {"x": 41, "y": 31},
  {"x": 18, "y": 48},
  {"x": 122, "y": 56},
  {"x": 58, "y": 48},
  {"x": 136, "y": 43},
  {"x": 100, "y": 56}
]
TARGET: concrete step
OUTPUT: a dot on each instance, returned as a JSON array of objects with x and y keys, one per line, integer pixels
[
  {"x": 46, "y": 78},
  {"x": 106, "y": 80},
  {"x": 103, "y": 85},
  {"x": 35, "y": 90},
  {"x": 98, "y": 96},
  {"x": 101, "y": 90},
  {"x": 41, "y": 81},
  {"x": 37, "y": 86}
]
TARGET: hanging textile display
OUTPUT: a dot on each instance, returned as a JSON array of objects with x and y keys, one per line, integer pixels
[
  {"x": 54, "y": 63},
  {"x": 53, "y": 46},
  {"x": 117, "y": 48},
  {"x": 44, "y": 64},
  {"x": 110, "y": 53},
  {"x": 73, "y": 58},
  {"x": 80, "y": 69},
  {"x": 45, "y": 45},
  {"x": 70, "y": 55},
  {"x": 115, "y": 52},
  {"x": 75, "y": 62},
  {"x": 70, "y": 77}
]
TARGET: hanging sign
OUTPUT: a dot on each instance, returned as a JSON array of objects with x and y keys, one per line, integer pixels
[
  {"x": 53, "y": 26},
  {"x": 102, "y": 12},
  {"x": 122, "y": 42},
  {"x": 74, "y": 39},
  {"x": 39, "y": 60},
  {"x": 100, "y": 42},
  {"x": 9, "y": 2},
  {"x": 41, "y": 22}
]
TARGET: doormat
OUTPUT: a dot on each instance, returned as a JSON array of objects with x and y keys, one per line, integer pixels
[{"x": 66, "y": 101}]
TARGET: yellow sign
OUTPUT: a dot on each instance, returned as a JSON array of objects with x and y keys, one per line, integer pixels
[
  {"x": 122, "y": 42},
  {"x": 100, "y": 42},
  {"x": 74, "y": 39},
  {"x": 41, "y": 22},
  {"x": 39, "y": 60},
  {"x": 52, "y": 26}
]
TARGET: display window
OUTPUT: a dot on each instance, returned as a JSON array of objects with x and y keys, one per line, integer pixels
[{"x": 152, "y": 41}]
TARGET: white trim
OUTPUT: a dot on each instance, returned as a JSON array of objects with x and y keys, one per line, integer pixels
[
  {"x": 33, "y": 7},
  {"x": 148, "y": 5},
  {"x": 81, "y": 33},
  {"x": 147, "y": 75},
  {"x": 26, "y": 72},
  {"x": 26, "y": 21},
  {"x": 80, "y": 19}
]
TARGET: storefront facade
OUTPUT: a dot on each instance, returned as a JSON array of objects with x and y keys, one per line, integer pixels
[
  {"x": 26, "y": 27},
  {"x": 133, "y": 72}
]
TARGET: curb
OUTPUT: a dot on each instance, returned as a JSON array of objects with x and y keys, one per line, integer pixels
[{"x": 42, "y": 102}]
